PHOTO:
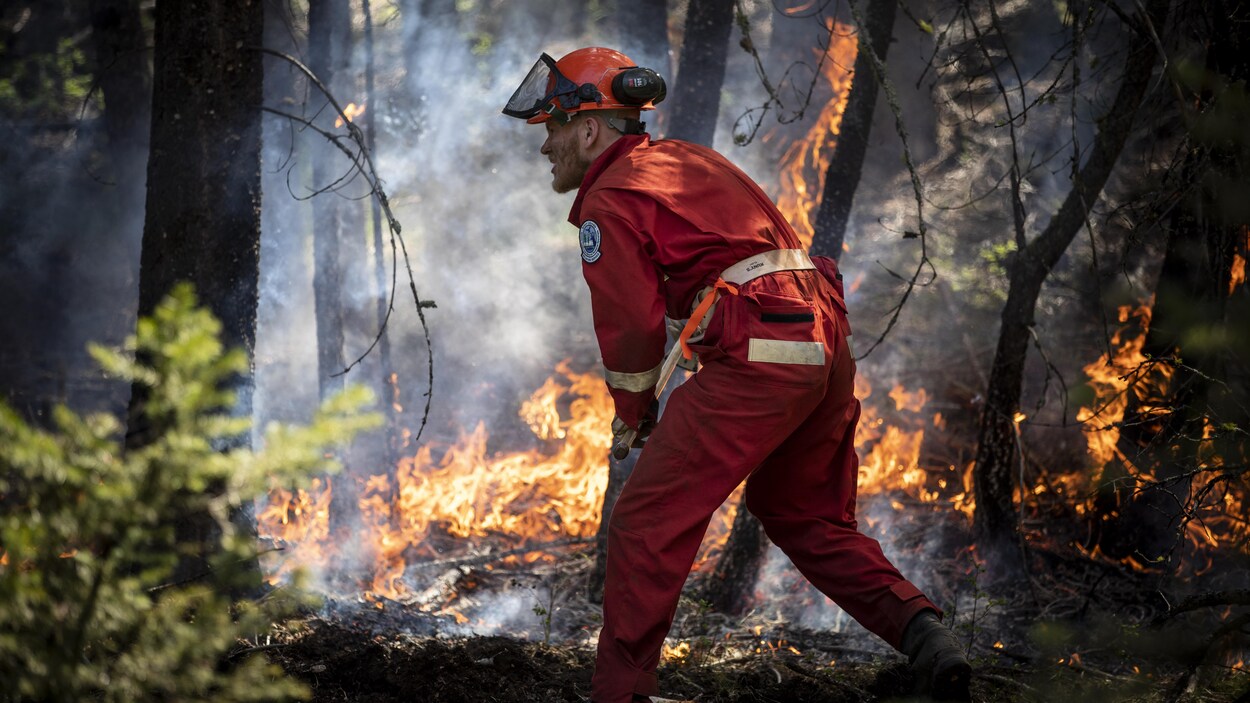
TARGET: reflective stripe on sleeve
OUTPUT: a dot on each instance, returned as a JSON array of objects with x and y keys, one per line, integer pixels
[
  {"x": 776, "y": 351},
  {"x": 633, "y": 382}
]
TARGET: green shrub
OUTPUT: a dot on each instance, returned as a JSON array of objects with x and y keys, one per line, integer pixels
[{"x": 89, "y": 609}]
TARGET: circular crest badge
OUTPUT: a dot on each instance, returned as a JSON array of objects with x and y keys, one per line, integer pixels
[{"x": 589, "y": 237}]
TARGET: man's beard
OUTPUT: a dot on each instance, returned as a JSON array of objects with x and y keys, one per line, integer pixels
[{"x": 570, "y": 169}]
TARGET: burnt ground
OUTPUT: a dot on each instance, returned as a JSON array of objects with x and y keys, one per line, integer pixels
[
  {"x": 1098, "y": 637},
  {"x": 341, "y": 663},
  {"x": 1055, "y": 624}
]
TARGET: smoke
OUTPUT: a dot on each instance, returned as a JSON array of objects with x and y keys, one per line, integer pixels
[
  {"x": 69, "y": 254},
  {"x": 488, "y": 240},
  {"x": 489, "y": 243}
]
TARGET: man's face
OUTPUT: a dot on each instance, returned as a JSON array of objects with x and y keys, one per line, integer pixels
[{"x": 569, "y": 165}]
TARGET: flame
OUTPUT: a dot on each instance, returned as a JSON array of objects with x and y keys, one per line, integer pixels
[
  {"x": 517, "y": 497},
  {"x": 677, "y": 653},
  {"x": 1217, "y": 512},
  {"x": 1110, "y": 378},
  {"x": 792, "y": 11},
  {"x": 299, "y": 521},
  {"x": 1237, "y": 275},
  {"x": 352, "y": 110},
  {"x": 890, "y": 453},
  {"x": 807, "y": 159}
]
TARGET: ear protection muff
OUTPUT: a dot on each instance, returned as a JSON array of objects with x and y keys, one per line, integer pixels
[{"x": 639, "y": 86}]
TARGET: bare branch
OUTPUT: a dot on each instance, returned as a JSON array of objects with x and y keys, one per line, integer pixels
[{"x": 363, "y": 161}]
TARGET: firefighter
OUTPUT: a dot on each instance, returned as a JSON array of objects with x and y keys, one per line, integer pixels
[{"x": 669, "y": 228}]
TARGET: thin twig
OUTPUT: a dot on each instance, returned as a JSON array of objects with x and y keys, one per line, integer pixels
[
  {"x": 369, "y": 171},
  {"x": 878, "y": 70}
]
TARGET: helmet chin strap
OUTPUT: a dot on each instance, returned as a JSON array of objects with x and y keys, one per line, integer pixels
[
  {"x": 624, "y": 125},
  {"x": 627, "y": 125}
]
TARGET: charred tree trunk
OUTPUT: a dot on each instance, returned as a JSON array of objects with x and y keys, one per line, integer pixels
[
  {"x": 388, "y": 381},
  {"x": 994, "y": 521},
  {"x": 124, "y": 76},
  {"x": 842, "y": 177},
  {"x": 203, "y": 202},
  {"x": 285, "y": 86},
  {"x": 336, "y": 216},
  {"x": 125, "y": 82},
  {"x": 329, "y": 32},
  {"x": 729, "y": 589},
  {"x": 643, "y": 27},
  {"x": 736, "y": 572},
  {"x": 701, "y": 72}
]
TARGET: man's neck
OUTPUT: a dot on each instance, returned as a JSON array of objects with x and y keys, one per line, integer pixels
[{"x": 606, "y": 139}]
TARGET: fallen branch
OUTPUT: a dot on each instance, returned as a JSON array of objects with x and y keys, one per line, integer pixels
[
  {"x": 1204, "y": 600},
  {"x": 367, "y": 169},
  {"x": 1187, "y": 682},
  {"x": 480, "y": 559}
]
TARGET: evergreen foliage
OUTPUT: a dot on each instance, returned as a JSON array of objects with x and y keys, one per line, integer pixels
[{"x": 88, "y": 533}]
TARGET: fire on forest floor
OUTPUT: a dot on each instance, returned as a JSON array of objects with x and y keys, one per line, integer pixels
[{"x": 1092, "y": 639}]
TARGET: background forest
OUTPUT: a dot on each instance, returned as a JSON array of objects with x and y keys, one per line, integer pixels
[{"x": 1039, "y": 209}]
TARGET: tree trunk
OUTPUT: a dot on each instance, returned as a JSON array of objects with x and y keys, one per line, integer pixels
[
  {"x": 202, "y": 218},
  {"x": 696, "y": 96},
  {"x": 125, "y": 82},
  {"x": 329, "y": 33},
  {"x": 387, "y": 379},
  {"x": 842, "y": 177},
  {"x": 994, "y": 522},
  {"x": 643, "y": 26},
  {"x": 335, "y": 219},
  {"x": 729, "y": 590}
]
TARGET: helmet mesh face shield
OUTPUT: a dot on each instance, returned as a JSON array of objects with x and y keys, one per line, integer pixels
[{"x": 543, "y": 83}]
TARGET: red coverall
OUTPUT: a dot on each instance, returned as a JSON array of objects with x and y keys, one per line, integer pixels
[{"x": 661, "y": 221}]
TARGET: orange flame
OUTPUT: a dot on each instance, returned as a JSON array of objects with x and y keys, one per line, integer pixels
[
  {"x": 1237, "y": 276},
  {"x": 300, "y": 522},
  {"x": 352, "y": 110},
  {"x": 529, "y": 496},
  {"x": 1110, "y": 378},
  {"x": 807, "y": 159}
]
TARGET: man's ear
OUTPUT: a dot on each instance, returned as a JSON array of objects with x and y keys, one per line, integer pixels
[{"x": 589, "y": 130}]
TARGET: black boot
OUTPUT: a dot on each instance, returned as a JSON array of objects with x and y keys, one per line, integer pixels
[{"x": 937, "y": 659}]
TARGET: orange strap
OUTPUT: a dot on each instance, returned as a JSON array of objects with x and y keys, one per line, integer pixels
[{"x": 697, "y": 316}]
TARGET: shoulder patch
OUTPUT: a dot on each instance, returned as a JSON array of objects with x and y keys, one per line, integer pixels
[{"x": 589, "y": 238}]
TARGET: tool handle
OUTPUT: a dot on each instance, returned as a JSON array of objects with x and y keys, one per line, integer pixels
[{"x": 620, "y": 450}]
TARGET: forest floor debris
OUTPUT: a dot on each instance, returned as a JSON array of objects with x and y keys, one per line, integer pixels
[{"x": 378, "y": 651}]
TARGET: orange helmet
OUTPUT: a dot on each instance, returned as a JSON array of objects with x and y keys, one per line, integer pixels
[{"x": 593, "y": 78}]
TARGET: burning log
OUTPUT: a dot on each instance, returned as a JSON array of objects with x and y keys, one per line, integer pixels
[
  {"x": 444, "y": 589},
  {"x": 489, "y": 557}
]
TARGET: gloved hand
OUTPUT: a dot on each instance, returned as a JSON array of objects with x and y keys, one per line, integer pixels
[
  {"x": 620, "y": 449},
  {"x": 619, "y": 429}
]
